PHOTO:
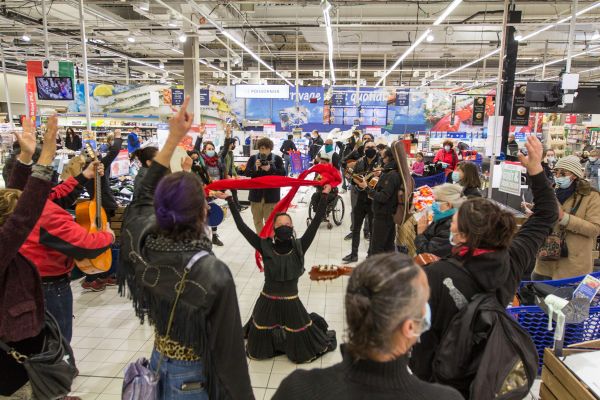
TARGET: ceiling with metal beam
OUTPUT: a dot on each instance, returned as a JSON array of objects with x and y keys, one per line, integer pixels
[{"x": 140, "y": 39}]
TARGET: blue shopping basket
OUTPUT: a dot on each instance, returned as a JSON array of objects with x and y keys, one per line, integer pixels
[
  {"x": 430, "y": 181},
  {"x": 535, "y": 321}
]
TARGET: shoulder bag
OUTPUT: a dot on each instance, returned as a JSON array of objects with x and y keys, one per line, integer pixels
[
  {"x": 555, "y": 246},
  {"x": 140, "y": 382}
]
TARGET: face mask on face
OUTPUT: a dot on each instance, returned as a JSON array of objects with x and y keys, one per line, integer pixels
[
  {"x": 284, "y": 233},
  {"x": 370, "y": 152},
  {"x": 455, "y": 177},
  {"x": 447, "y": 148},
  {"x": 593, "y": 159},
  {"x": 563, "y": 182},
  {"x": 551, "y": 159},
  {"x": 210, "y": 153},
  {"x": 328, "y": 148},
  {"x": 451, "y": 239}
]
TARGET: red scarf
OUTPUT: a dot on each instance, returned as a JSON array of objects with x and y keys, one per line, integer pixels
[
  {"x": 463, "y": 250},
  {"x": 329, "y": 175},
  {"x": 210, "y": 161}
]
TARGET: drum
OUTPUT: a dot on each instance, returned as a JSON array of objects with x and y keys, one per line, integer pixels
[{"x": 216, "y": 214}]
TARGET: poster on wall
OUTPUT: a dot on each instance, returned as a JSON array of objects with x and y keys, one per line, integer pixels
[
  {"x": 177, "y": 96},
  {"x": 520, "y": 113},
  {"x": 204, "y": 97},
  {"x": 510, "y": 179},
  {"x": 120, "y": 166},
  {"x": 478, "y": 111},
  {"x": 269, "y": 129}
]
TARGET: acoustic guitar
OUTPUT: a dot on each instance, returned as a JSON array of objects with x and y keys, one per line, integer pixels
[
  {"x": 90, "y": 215},
  {"x": 331, "y": 272}
]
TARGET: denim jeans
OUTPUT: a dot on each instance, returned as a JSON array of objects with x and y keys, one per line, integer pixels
[
  {"x": 180, "y": 379},
  {"x": 59, "y": 303},
  {"x": 287, "y": 163}
]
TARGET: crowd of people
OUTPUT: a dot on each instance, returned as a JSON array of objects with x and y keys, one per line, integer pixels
[{"x": 397, "y": 312}]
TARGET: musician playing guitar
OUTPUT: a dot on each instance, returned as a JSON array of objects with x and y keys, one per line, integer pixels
[{"x": 365, "y": 168}]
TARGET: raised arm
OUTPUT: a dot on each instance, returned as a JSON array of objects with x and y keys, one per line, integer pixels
[
  {"x": 113, "y": 150},
  {"x": 248, "y": 233},
  {"x": 310, "y": 233}
]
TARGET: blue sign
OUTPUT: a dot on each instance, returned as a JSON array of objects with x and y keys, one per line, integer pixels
[
  {"x": 403, "y": 97},
  {"x": 338, "y": 99},
  {"x": 204, "y": 97},
  {"x": 456, "y": 135},
  {"x": 177, "y": 97}
]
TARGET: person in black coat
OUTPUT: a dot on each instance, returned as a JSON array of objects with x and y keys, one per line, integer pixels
[
  {"x": 487, "y": 247},
  {"x": 386, "y": 312},
  {"x": 315, "y": 144},
  {"x": 385, "y": 202},
  {"x": 287, "y": 146},
  {"x": 73, "y": 140},
  {"x": 467, "y": 176},
  {"x": 434, "y": 238},
  {"x": 265, "y": 163}
]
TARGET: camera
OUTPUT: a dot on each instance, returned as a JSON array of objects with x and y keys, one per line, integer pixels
[{"x": 263, "y": 159}]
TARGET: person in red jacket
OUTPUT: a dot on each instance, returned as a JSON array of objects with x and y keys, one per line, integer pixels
[
  {"x": 56, "y": 241},
  {"x": 447, "y": 156},
  {"x": 21, "y": 297}
]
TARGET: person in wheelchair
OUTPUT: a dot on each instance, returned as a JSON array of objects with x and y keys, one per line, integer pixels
[{"x": 326, "y": 157}]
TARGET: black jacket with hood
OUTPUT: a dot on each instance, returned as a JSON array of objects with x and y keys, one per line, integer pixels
[
  {"x": 385, "y": 194},
  {"x": 435, "y": 239},
  {"x": 497, "y": 271}
]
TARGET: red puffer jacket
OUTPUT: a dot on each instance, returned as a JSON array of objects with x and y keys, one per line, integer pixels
[
  {"x": 448, "y": 157},
  {"x": 57, "y": 239}
]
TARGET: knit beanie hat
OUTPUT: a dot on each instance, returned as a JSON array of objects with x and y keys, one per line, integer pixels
[
  {"x": 571, "y": 164},
  {"x": 450, "y": 192}
]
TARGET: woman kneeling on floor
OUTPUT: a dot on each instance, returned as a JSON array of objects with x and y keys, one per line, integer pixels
[{"x": 280, "y": 324}]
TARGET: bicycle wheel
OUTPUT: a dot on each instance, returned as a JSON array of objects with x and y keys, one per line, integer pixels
[{"x": 338, "y": 210}]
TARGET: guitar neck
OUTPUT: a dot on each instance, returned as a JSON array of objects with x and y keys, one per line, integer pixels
[{"x": 98, "y": 199}]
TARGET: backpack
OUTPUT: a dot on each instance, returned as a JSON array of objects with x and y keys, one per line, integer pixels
[{"x": 485, "y": 353}]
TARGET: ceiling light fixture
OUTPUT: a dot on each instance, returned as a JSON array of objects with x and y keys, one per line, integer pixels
[
  {"x": 182, "y": 37},
  {"x": 224, "y": 33},
  {"x": 161, "y": 65},
  {"x": 173, "y": 22},
  {"x": 467, "y": 65},
  {"x": 144, "y": 5},
  {"x": 518, "y": 35},
  {"x": 596, "y": 35},
  {"x": 131, "y": 39},
  {"x": 430, "y": 38},
  {"x": 326, "y": 7},
  {"x": 423, "y": 36},
  {"x": 25, "y": 38},
  {"x": 591, "y": 49}
]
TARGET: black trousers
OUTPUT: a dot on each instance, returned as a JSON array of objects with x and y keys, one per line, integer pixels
[
  {"x": 383, "y": 233},
  {"x": 361, "y": 211},
  {"x": 353, "y": 200}
]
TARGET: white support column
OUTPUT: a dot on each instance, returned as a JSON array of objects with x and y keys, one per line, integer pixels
[
  {"x": 384, "y": 69},
  {"x": 45, "y": 22},
  {"x": 544, "y": 61},
  {"x": 127, "y": 71},
  {"x": 8, "y": 104},
  {"x": 571, "y": 35},
  {"x": 86, "y": 82},
  {"x": 228, "y": 64},
  {"x": 191, "y": 75},
  {"x": 358, "y": 67}
]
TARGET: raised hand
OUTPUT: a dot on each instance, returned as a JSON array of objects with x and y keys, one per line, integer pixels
[
  {"x": 49, "y": 147},
  {"x": 90, "y": 171},
  {"x": 27, "y": 141},
  {"x": 180, "y": 123},
  {"x": 533, "y": 160},
  {"x": 186, "y": 163}
]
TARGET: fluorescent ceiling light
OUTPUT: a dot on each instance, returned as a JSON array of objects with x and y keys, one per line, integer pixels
[
  {"x": 144, "y": 5},
  {"x": 447, "y": 12},
  {"x": 25, "y": 37},
  {"x": 467, "y": 65},
  {"x": 131, "y": 39},
  {"x": 161, "y": 65},
  {"x": 403, "y": 56},
  {"x": 182, "y": 37},
  {"x": 224, "y": 32},
  {"x": 326, "y": 7},
  {"x": 430, "y": 38},
  {"x": 557, "y": 61},
  {"x": 177, "y": 50},
  {"x": 596, "y": 35},
  {"x": 518, "y": 35}
]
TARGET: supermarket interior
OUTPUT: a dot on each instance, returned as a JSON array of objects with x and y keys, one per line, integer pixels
[{"x": 317, "y": 199}]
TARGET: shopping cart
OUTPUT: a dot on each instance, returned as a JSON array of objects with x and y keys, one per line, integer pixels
[
  {"x": 430, "y": 181},
  {"x": 535, "y": 321}
]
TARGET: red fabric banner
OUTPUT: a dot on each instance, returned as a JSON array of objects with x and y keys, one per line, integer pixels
[{"x": 329, "y": 176}]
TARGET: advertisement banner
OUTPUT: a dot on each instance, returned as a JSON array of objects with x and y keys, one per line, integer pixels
[
  {"x": 520, "y": 113},
  {"x": 120, "y": 166},
  {"x": 338, "y": 99},
  {"x": 510, "y": 179},
  {"x": 403, "y": 97},
  {"x": 204, "y": 97},
  {"x": 453, "y": 110},
  {"x": 31, "y": 105},
  {"x": 177, "y": 96},
  {"x": 478, "y": 111},
  {"x": 307, "y": 113},
  {"x": 262, "y": 91}
]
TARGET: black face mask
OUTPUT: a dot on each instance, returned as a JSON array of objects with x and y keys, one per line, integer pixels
[
  {"x": 370, "y": 152},
  {"x": 284, "y": 233}
]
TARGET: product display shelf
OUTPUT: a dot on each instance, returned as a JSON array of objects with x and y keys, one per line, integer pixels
[
  {"x": 557, "y": 140},
  {"x": 577, "y": 137}
]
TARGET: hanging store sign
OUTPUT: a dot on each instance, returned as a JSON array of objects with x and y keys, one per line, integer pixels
[
  {"x": 338, "y": 99},
  {"x": 453, "y": 110},
  {"x": 478, "y": 111},
  {"x": 520, "y": 113},
  {"x": 262, "y": 91},
  {"x": 177, "y": 96},
  {"x": 403, "y": 98},
  {"x": 204, "y": 97}
]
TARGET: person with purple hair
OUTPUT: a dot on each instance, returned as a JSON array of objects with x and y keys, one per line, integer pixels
[{"x": 164, "y": 238}]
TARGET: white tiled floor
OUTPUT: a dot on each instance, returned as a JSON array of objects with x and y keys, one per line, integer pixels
[{"x": 107, "y": 335}]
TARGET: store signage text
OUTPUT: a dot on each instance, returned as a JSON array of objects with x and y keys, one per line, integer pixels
[{"x": 262, "y": 91}]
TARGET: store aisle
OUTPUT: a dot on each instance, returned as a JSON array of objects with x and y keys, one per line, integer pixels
[{"x": 107, "y": 335}]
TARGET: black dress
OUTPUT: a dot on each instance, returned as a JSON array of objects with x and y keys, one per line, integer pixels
[{"x": 280, "y": 324}]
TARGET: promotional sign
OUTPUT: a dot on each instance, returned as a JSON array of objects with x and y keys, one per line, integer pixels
[
  {"x": 338, "y": 99},
  {"x": 204, "y": 97},
  {"x": 374, "y": 131},
  {"x": 120, "y": 166},
  {"x": 453, "y": 110},
  {"x": 510, "y": 179},
  {"x": 478, "y": 111},
  {"x": 571, "y": 119},
  {"x": 403, "y": 97},
  {"x": 520, "y": 113},
  {"x": 269, "y": 129},
  {"x": 162, "y": 132},
  {"x": 262, "y": 91},
  {"x": 177, "y": 96}
]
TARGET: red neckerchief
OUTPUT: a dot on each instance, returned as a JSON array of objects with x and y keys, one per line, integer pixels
[
  {"x": 463, "y": 250},
  {"x": 210, "y": 161}
]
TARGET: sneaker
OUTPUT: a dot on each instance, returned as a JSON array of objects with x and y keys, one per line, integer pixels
[
  {"x": 96, "y": 285},
  {"x": 348, "y": 236},
  {"x": 216, "y": 241},
  {"x": 110, "y": 281},
  {"x": 350, "y": 258}
]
